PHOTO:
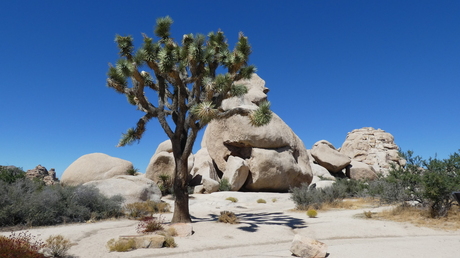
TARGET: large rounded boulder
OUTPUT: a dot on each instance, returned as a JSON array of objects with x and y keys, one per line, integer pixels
[
  {"x": 131, "y": 188},
  {"x": 95, "y": 166}
]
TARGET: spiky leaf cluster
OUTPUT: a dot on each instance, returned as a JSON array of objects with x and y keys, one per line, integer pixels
[{"x": 184, "y": 77}]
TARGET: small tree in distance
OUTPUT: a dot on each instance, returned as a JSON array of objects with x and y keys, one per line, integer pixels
[{"x": 189, "y": 91}]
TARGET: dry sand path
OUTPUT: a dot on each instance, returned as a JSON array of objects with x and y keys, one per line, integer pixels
[{"x": 266, "y": 230}]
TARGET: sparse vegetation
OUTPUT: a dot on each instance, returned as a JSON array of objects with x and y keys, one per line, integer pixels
[
  {"x": 147, "y": 208},
  {"x": 22, "y": 245},
  {"x": 132, "y": 171},
  {"x": 228, "y": 217},
  {"x": 274, "y": 200},
  {"x": 261, "y": 201},
  {"x": 312, "y": 213},
  {"x": 368, "y": 214},
  {"x": 165, "y": 185},
  {"x": 25, "y": 202},
  {"x": 121, "y": 245},
  {"x": 59, "y": 245},
  {"x": 150, "y": 224},
  {"x": 224, "y": 185},
  {"x": 10, "y": 174},
  {"x": 232, "y": 199},
  {"x": 169, "y": 242}
]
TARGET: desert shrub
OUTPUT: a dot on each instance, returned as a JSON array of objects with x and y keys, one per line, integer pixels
[
  {"x": 169, "y": 242},
  {"x": 224, "y": 185},
  {"x": 9, "y": 174},
  {"x": 121, "y": 245},
  {"x": 367, "y": 214},
  {"x": 274, "y": 200},
  {"x": 429, "y": 183},
  {"x": 26, "y": 202},
  {"x": 58, "y": 245},
  {"x": 232, "y": 199},
  {"x": 261, "y": 201},
  {"x": 22, "y": 245},
  {"x": 141, "y": 209},
  {"x": 132, "y": 171},
  {"x": 150, "y": 224},
  {"x": 305, "y": 197},
  {"x": 312, "y": 213},
  {"x": 166, "y": 184},
  {"x": 228, "y": 217}
]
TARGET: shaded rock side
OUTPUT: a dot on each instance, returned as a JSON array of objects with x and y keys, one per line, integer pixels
[
  {"x": 374, "y": 147},
  {"x": 94, "y": 166}
]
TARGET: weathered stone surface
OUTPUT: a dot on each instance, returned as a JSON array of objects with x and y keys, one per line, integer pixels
[
  {"x": 41, "y": 173},
  {"x": 183, "y": 229},
  {"x": 321, "y": 184},
  {"x": 361, "y": 171},
  {"x": 162, "y": 163},
  {"x": 145, "y": 241},
  {"x": 372, "y": 147},
  {"x": 209, "y": 185},
  {"x": 203, "y": 167},
  {"x": 327, "y": 156},
  {"x": 236, "y": 172},
  {"x": 320, "y": 171},
  {"x": 94, "y": 166},
  {"x": 275, "y": 170},
  {"x": 132, "y": 188},
  {"x": 308, "y": 248}
]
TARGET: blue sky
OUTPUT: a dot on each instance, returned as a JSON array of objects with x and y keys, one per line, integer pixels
[{"x": 331, "y": 66}]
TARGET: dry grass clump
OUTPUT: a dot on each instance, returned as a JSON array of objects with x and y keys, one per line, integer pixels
[
  {"x": 169, "y": 242},
  {"x": 58, "y": 245},
  {"x": 121, "y": 245},
  {"x": 147, "y": 208},
  {"x": 261, "y": 201},
  {"x": 228, "y": 217},
  {"x": 421, "y": 217},
  {"x": 150, "y": 224},
  {"x": 232, "y": 199}
]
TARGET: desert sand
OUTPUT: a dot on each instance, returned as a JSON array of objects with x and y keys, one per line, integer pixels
[{"x": 266, "y": 230}]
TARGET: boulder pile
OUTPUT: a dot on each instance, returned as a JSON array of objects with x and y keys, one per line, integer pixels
[{"x": 42, "y": 174}]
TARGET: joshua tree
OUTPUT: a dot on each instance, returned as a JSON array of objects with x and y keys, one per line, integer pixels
[{"x": 188, "y": 89}]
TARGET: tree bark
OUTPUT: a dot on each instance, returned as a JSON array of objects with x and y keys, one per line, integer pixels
[{"x": 181, "y": 209}]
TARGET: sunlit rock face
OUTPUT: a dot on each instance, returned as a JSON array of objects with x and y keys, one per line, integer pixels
[
  {"x": 373, "y": 147},
  {"x": 276, "y": 157}
]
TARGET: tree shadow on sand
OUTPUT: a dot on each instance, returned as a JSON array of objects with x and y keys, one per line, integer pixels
[{"x": 254, "y": 220}]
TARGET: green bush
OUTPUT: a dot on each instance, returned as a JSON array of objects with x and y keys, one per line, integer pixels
[
  {"x": 22, "y": 245},
  {"x": 9, "y": 174},
  {"x": 312, "y": 213},
  {"x": 224, "y": 185},
  {"x": 28, "y": 203},
  {"x": 428, "y": 182}
]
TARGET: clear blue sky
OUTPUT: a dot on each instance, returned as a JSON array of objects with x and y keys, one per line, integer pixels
[{"x": 331, "y": 66}]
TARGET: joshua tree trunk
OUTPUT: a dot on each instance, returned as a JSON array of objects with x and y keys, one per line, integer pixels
[{"x": 181, "y": 210}]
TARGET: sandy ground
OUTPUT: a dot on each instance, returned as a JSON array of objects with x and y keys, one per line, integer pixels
[{"x": 267, "y": 230}]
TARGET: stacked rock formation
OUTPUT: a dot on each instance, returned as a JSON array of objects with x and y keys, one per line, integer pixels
[
  {"x": 267, "y": 158},
  {"x": 42, "y": 174},
  {"x": 373, "y": 147}
]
